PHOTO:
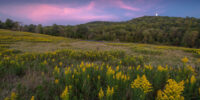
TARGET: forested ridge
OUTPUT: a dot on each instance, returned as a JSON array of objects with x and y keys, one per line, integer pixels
[{"x": 176, "y": 31}]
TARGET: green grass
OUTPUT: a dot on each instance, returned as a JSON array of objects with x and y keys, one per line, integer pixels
[{"x": 28, "y": 65}]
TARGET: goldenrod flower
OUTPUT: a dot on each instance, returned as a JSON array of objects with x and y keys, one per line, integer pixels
[
  {"x": 148, "y": 67},
  {"x": 110, "y": 71},
  {"x": 7, "y": 98},
  {"x": 117, "y": 68},
  {"x": 56, "y": 81},
  {"x": 190, "y": 68},
  {"x": 83, "y": 69},
  {"x": 32, "y": 98},
  {"x": 199, "y": 91},
  {"x": 129, "y": 68},
  {"x": 109, "y": 91},
  {"x": 142, "y": 83},
  {"x": 53, "y": 60},
  {"x": 184, "y": 60},
  {"x": 45, "y": 62},
  {"x": 99, "y": 77},
  {"x": 73, "y": 76},
  {"x": 160, "y": 68},
  {"x": 192, "y": 79},
  {"x": 56, "y": 70},
  {"x": 13, "y": 96},
  {"x": 65, "y": 94},
  {"x": 60, "y": 63},
  {"x": 88, "y": 76},
  {"x": 138, "y": 67},
  {"x": 67, "y": 70},
  {"x": 101, "y": 94},
  {"x": 172, "y": 91}
]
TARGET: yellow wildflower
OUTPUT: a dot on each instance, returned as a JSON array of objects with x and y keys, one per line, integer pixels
[
  {"x": 160, "y": 68},
  {"x": 88, "y": 76},
  {"x": 6, "y": 98},
  {"x": 190, "y": 68},
  {"x": 53, "y": 60},
  {"x": 56, "y": 81},
  {"x": 99, "y": 77},
  {"x": 109, "y": 91},
  {"x": 56, "y": 70},
  {"x": 32, "y": 98},
  {"x": 138, "y": 67},
  {"x": 184, "y": 60},
  {"x": 13, "y": 96},
  {"x": 83, "y": 69},
  {"x": 70, "y": 87},
  {"x": 67, "y": 70},
  {"x": 45, "y": 62},
  {"x": 110, "y": 71},
  {"x": 118, "y": 75},
  {"x": 192, "y": 79},
  {"x": 129, "y": 68},
  {"x": 101, "y": 94},
  {"x": 65, "y": 94},
  {"x": 142, "y": 83},
  {"x": 120, "y": 62},
  {"x": 199, "y": 91},
  {"x": 73, "y": 76},
  {"x": 148, "y": 67},
  {"x": 172, "y": 91},
  {"x": 60, "y": 63},
  {"x": 117, "y": 68},
  {"x": 187, "y": 81}
]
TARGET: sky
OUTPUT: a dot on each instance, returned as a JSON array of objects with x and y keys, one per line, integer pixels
[{"x": 73, "y": 12}]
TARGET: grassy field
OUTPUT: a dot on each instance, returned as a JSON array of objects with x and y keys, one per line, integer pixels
[{"x": 41, "y": 67}]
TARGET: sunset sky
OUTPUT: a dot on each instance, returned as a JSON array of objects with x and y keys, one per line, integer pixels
[{"x": 71, "y": 12}]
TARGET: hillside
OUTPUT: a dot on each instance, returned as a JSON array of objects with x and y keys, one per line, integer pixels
[
  {"x": 44, "y": 67},
  {"x": 163, "y": 30}
]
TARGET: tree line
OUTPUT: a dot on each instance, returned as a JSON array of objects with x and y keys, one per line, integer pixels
[{"x": 176, "y": 31}]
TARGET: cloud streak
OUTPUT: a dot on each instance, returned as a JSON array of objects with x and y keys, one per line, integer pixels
[
  {"x": 47, "y": 12},
  {"x": 90, "y": 10}
]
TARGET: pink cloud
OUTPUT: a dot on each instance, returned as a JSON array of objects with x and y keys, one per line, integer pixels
[
  {"x": 48, "y": 12},
  {"x": 121, "y": 4}
]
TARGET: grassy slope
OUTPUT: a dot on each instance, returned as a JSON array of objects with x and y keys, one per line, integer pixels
[{"x": 37, "y": 43}]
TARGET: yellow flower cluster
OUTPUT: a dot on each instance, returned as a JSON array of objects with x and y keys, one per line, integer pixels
[
  {"x": 142, "y": 83},
  {"x": 56, "y": 81},
  {"x": 148, "y": 67},
  {"x": 192, "y": 79},
  {"x": 184, "y": 60},
  {"x": 65, "y": 94},
  {"x": 110, "y": 71},
  {"x": 56, "y": 70},
  {"x": 120, "y": 76},
  {"x": 12, "y": 97},
  {"x": 173, "y": 91},
  {"x": 68, "y": 70},
  {"x": 199, "y": 91},
  {"x": 60, "y": 63},
  {"x": 160, "y": 68},
  {"x": 190, "y": 68},
  {"x": 32, "y": 98},
  {"x": 101, "y": 94},
  {"x": 109, "y": 91}
]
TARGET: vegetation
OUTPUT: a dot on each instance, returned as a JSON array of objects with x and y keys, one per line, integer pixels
[
  {"x": 148, "y": 29},
  {"x": 81, "y": 71}
]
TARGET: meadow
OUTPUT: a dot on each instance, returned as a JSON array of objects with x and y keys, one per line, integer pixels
[{"x": 42, "y": 67}]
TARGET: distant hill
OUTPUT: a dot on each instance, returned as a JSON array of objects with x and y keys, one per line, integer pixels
[{"x": 148, "y": 29}]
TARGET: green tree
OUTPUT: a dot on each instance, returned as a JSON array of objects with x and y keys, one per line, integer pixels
[
  {"x": 190, "y": 38},
  {"x": 9, "y": 24}
]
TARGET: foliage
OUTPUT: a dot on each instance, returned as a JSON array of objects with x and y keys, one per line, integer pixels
[{"x": 148, "y": 29}]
